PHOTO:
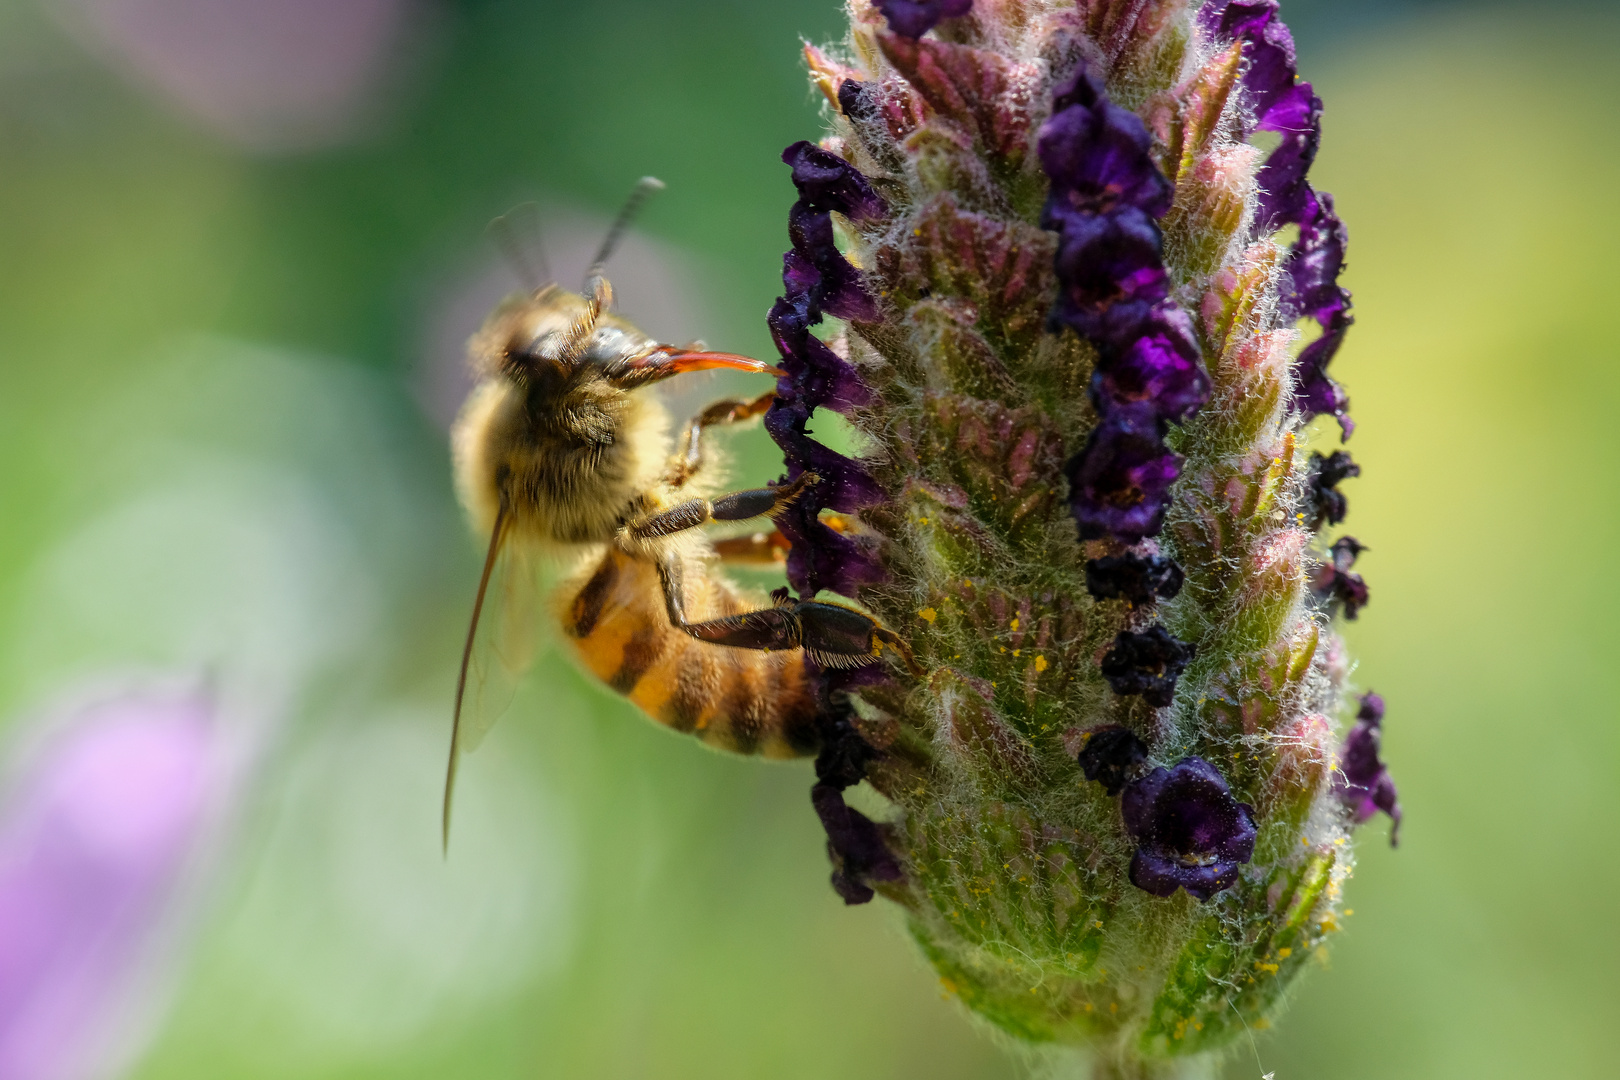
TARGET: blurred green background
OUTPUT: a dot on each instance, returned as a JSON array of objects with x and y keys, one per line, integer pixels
[{"x": 222, "y": 450}]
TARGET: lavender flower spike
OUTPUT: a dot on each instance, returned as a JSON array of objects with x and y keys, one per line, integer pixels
[{"x": 1068, "y": 337}]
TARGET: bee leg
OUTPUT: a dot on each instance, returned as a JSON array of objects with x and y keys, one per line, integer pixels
[
  {"x": 768, "y": 548},
  {"x": 738, "y": 506},
  {"x": 689, "y": 459},
  {"x": 835, "y": 636}
]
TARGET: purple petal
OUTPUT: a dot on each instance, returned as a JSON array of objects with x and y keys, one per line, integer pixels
[
  {"x": 1363, "y": 785},
  {"x": 855, "y": 844},
  {"x": 1327, "y": 504},
  {"x": 1111, "y": 269},
  {"x": 1161, "y": 875},
  {"x": 914, "y": 18},
  {"x": 1161, "y": 368},
  {"x": 1119, "y": 485},
  {"x": 828, "y": 182},
  {"x": 1191, "y": 832},
  {"x": 1098, "y": 155}
]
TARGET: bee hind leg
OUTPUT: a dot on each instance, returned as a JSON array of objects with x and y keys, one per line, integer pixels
[
  {"x": 833, "y": 635},
  {"x": 689, "y": 459}
]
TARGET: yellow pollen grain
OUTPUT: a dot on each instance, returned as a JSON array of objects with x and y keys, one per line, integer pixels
[
  {"x": 1270, "y": 969},
  {"x": 1349, "y": 911},
  {"x": 1017, "y": 651},
  {"x": 1285, "y": 953},
  {"x": 1261, "y": 1024},
  {"x": 928, "y": 614},
  {"x": 1041, "y": 664},
  {"x": 1014, "y": 624}
]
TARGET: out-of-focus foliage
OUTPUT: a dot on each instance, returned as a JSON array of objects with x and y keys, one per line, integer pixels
[{"x": 214, "y": 461}]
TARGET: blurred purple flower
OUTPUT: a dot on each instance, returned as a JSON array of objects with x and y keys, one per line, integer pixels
[
  {"x": 1336, "y": 583},
  {"x": 93, "y": 845},
  {"x": 1323, "y": 497},
  {"x": 1112, "y": 756},
  {"x": 1364, "y": 785},
  {"x": 265, "y": 74}
]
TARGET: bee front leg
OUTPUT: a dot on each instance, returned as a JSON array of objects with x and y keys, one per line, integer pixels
[
  {"x": 833, "y": 635},
  {"x": 689, "y": 459},
  {"x": 738, "y": 506}
]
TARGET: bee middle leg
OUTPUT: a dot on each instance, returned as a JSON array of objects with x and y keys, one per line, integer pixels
[
  {"x": 835, "y": 636},
  {"x": 689, "y": 460},
  {"x": 770, "y": 547}
]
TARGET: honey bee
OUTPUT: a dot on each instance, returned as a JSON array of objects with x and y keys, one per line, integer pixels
[{"x": 559, "y": 453}]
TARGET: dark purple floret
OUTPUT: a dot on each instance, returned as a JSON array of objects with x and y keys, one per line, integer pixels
[
  {"x": 1147, "y": 663},
  {"x": 1336, "y": 583},
  {"x": 1105, "y": 196},
  {"x": 1284, "y": 105},
  {"x": 855, "y": 101},
  {"x": 1191, "y": 833},
  {"x": 828, "y": 182},
  {"x": 1119, "y": 485},
  {"x": 1315, "y": 262},
  {"x": 1324, "y": 502},
  {"x": 855, "y": 844},
  {"x": 817, "y": 279},
  {"x": 1111, "y": 271},
  {"x": 1098, "y": 155},
  {"x": 1161, "y": 369},
  {"x": 819, "y": 270},
  {"x": 1112, "y": 756},
  {"x": 1363, "y": 784},
  {"x": 1134, "y": 578},
  {"x": 1270, "y": 54},
  {"x": 914, "y": 18}
]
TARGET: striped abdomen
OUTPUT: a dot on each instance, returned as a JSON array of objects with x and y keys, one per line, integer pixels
[{"x": 743, "y": 700}]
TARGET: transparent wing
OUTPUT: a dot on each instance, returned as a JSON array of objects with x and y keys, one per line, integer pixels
[{"x": 501, "y": 640}]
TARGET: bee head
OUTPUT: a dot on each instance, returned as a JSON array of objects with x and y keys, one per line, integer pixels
[{"x": 554, "y": 343}]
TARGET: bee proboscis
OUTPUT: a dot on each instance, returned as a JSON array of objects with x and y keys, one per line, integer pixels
[{"x": 558, "y": 454}]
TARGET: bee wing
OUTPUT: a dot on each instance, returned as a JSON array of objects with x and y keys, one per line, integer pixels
[{"x": 500, "y": 646}]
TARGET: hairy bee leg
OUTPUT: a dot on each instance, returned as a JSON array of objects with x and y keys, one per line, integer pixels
[
  {"x": 769, "y": 548},
  {"x": 834, "y": 635},
  {"x": 738, "y": 506},
  {"x": 689, "y": 461}
]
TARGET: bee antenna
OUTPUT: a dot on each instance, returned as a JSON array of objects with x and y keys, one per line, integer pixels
[
  {"x": 596, "y": 282},
  {"x": 644, "y": 187},
  {"x": 504, "y": 231}
]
